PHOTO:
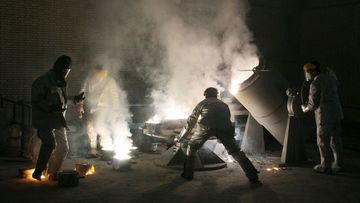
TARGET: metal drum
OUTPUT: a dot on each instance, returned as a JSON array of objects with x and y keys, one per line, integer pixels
[
  {"x": 68, "y": 178},
  {"x": 264, "y": 95}
]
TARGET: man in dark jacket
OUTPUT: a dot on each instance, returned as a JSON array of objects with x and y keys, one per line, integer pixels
[
  {"x": 323, "y": 99},
  {"x": 49, "y": 102},
  {"x": 215, "y": 121}
]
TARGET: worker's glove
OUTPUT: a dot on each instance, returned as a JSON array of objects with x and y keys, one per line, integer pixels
[
  {"x": 183, "y": 135},
  {"x": 176, "y": 139},
  {"x": 304, "y": 109},
  {"x": 79, "y": 98},
  {"x": 57, "y": 108}
]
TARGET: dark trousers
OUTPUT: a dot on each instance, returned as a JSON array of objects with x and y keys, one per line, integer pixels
[
  {"x": 198, "y": 139},
  {"x": 330, "y": 143},
  {"x": 52, "y": 139}
]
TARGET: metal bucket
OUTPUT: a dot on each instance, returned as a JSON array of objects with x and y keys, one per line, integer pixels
[
  {"x": 68, "y": 178},
  {"x": 121, "y": 164},
  {"x": 82, "y": 169},
  {"x": 264, "y": 95}
]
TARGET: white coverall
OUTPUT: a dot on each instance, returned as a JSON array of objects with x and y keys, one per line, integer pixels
[
  {"x": 102, "y": 101},
  {"x": 325, "y": 102}
]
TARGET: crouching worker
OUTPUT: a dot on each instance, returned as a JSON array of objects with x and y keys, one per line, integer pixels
[
  {"x": 215, "y": 121},
  {"x": 48, "y": 99}
]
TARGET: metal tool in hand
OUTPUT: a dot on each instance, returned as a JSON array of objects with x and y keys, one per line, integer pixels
[{"x": 183, "y": 135}]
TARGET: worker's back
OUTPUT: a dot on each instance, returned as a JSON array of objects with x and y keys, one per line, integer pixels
[
  {"x": 329, "y": 108},
  {"x": 215, "y": 114}
]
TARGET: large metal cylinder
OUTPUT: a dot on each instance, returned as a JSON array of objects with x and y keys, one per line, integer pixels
[{"x": 264, "y": 95}]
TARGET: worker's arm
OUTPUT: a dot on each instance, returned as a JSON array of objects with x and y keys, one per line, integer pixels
[
  {"x": 191, "y": 122},
  {"x": 314, "y": 97}
]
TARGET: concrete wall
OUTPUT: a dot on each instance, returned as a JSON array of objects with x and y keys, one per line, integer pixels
[{"x": 288, "y": 33}]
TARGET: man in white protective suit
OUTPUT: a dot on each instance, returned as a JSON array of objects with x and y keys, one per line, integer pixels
[
  {"x": 324, "y": 100},
  {"x": 102, "y": 108}
]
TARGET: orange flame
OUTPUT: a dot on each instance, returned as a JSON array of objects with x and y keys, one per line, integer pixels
[
  {"x": 91, "y": 170},
  {"x": 28, "y": 174}
]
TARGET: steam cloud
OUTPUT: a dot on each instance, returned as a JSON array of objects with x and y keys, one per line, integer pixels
[
  {"x": 180, "y": 47},
  {"x": 107, "y": 105}
]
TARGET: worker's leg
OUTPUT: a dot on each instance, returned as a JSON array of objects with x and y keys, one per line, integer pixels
[
  {"x": 60, "y": 152},
  {"x": 106, "y": 141},
  {"x": 234, "y": 150},
  {"x": 195, "y": 143},
  {"x": 92, "y": 134},
  {"x": 323, "y": 142},
  {"x": 47, "y": 145},
  {"x": 337, "y": 147}
]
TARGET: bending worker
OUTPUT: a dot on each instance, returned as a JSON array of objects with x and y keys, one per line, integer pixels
[
  {"x": 215, "y": 121},
  {"x": 48, "y": 99},
  {"x": 324, "y": 101}
]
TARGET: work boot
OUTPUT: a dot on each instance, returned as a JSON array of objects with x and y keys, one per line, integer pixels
[
  {"x": 37, "y": 174},
  {"x": 249, "y": 169},
  {"x": 336, "y": 168},
  {"x": 322, "y": 169},
  {"x": 255, "y": 183},
  {"x": 188, "y": 172}
]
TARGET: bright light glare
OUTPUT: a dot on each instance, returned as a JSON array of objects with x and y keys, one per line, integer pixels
[
  {"x": 242, "y": 70},
  {"x": 154, "y": 119},
  {"x": 28, "y": 174},
  {"x": 274, "y": 168},
  {"x": 91, "y": 170},
  {"x": 170, "y": 114},
  {"x": 174, "y": 113}
]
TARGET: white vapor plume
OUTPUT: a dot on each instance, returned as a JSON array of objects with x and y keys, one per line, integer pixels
[
  {"x": 238, "y": 51},
  {"x": 108, "y": 113},
  {"x": 198, "y": 37},
  {"x": 180, "y": 46}
]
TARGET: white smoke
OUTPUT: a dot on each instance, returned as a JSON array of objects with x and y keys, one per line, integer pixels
[
  {"x": 108, "y": 112},
  {"x": 179, "y": 46},
  {"x": 189, "y": 32},
  {"x": 237, "y": 48}
]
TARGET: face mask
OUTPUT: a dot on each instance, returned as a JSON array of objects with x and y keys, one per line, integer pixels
[
  {"x": 61, "y": 74},
  {"x": 308, "y": 76},
  {"x": 65, "y": 73}
]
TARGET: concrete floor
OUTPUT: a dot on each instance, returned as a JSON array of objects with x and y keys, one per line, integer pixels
[{"x": 146, "y": 182}]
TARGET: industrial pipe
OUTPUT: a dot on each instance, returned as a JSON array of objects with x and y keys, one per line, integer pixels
[{"x": 263, "y": 94}]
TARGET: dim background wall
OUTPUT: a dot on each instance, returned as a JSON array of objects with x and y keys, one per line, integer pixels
[
  {"x": 288, "y": 33},
  {"x": 291, "y": 32},
  {"x": 33, "y": 34}
]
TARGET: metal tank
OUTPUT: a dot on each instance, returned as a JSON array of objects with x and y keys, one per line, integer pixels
[{"x": 263, "y": 94}]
